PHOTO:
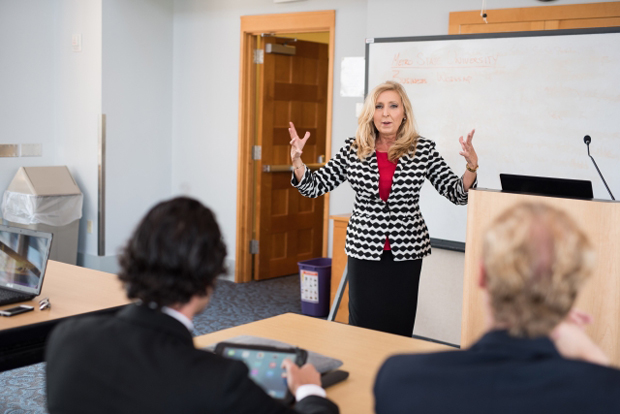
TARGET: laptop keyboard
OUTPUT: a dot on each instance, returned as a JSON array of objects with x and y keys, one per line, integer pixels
[{"x": 7, "y": 297}]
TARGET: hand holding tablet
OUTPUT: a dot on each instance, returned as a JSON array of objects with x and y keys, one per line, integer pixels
[
  {"x": 297, "y": 376},
  {"x": 267, "y": 366},
  {"x": 280, "y": 369}
]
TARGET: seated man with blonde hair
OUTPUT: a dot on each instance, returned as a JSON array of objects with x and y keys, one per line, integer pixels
[{"x": 536, "y": 357}]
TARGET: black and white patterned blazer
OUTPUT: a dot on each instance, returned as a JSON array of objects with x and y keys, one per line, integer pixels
[{"x": 399, "y": 218}]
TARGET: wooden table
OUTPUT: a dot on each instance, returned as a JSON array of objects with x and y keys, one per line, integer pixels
[
  {"x": 72, "y": 290},
  {"x": 362, "y": 351}
]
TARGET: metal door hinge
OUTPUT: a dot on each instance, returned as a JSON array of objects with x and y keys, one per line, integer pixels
[
  {"x": 256, "y": 152},
  {"x": 259, "y": 56},
  {"x": 253, "y": 246}
]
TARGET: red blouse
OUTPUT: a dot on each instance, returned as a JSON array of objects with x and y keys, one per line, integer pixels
[{"x": 386, "y": 173}]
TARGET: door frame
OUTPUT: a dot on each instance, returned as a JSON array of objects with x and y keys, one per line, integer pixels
[{"x": 303, "y": 22}]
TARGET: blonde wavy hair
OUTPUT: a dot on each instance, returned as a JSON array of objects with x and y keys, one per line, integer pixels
[
  {"x": 536, "y": 259},
  {"x": 366, "y": 135}
]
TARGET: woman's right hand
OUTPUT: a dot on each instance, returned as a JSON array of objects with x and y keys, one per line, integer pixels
[{"x": 297, "y": 145}]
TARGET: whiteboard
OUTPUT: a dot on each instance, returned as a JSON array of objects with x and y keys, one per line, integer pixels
[{"x": 531, "y": 97}]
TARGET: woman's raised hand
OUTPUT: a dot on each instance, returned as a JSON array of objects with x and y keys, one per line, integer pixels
[
  {"x": 297, "y": 144},
  {"x": 468, "y": 151}
]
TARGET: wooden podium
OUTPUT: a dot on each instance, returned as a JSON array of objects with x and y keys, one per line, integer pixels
[{"x": 600, "y": 296}]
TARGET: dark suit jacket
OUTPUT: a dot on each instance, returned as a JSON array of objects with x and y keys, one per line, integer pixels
[
  {"x": 144, "y": 361},
  {"x": 499, "y": 374}
]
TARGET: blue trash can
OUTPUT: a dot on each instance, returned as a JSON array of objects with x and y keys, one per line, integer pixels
[{"x": 315, "y": 280}]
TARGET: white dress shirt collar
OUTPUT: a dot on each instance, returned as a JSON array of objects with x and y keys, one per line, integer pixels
[{"x": 179, "y": 317}]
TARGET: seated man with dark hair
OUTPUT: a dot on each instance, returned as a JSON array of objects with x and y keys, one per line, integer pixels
[
  {"x": 143, "y": 359},
  {"x": 536, "y": 358}
]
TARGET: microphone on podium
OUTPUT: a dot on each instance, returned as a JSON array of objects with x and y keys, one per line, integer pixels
[{"x": 587, "y": 140}]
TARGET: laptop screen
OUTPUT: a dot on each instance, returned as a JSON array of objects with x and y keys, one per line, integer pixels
[
  {"x": 23, "y": 259},
  {"x": 546, "y": 186}
]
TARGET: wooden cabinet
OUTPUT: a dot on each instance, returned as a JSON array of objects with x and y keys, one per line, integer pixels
[
  {"x": 339, "y": 261},
  {"x": 571, "y": 16}
]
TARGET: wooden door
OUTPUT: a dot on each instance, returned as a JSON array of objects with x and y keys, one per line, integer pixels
[{"x": 290, "y": 88}]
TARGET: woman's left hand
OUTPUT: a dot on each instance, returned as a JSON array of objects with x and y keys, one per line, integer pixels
[{"x": 468, "y": 151}]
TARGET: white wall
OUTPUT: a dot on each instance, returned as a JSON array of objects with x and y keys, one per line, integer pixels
[
  {"x": 77, "y": 102},
  {"x": 137, "y": 101},
  {"x": 124, "y": 71},
  {"x": 26, "y": 82},
  {"x": 52, "y": 95}
]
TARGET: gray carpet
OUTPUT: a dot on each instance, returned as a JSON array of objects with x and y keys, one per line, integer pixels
[{"x": 22, "y": 391}]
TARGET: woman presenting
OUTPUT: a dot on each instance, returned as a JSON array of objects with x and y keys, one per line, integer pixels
[{"x": 386, "y": 164}]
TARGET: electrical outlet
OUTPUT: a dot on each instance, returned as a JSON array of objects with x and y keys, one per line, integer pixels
[
  {"x": 89, "y": 226},
  {"x": 76, "y": 42}
]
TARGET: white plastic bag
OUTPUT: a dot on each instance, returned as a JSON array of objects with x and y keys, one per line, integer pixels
[{"x": 57, "y": 210}]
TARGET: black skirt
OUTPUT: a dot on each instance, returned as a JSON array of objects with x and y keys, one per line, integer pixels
[{"x": 383, "y": 295}]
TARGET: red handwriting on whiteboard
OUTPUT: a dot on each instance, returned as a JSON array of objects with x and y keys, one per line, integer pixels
[
  {"x": 452, "y": 60},
  {"x": 475, "y": 61},
  {"x": 444, "y": 77},
  {"x": 396, "y": 75},
  {"x": 398, "y": 62},
  {"x": 423, "y": 60}
]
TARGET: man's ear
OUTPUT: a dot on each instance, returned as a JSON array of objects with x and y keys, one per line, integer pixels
[
  {"x": 482, "y": 276},
  {"x": 210, "y": 290}
]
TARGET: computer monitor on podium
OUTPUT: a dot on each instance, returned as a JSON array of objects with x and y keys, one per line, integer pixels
[{"x": 546, "y": 186}]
